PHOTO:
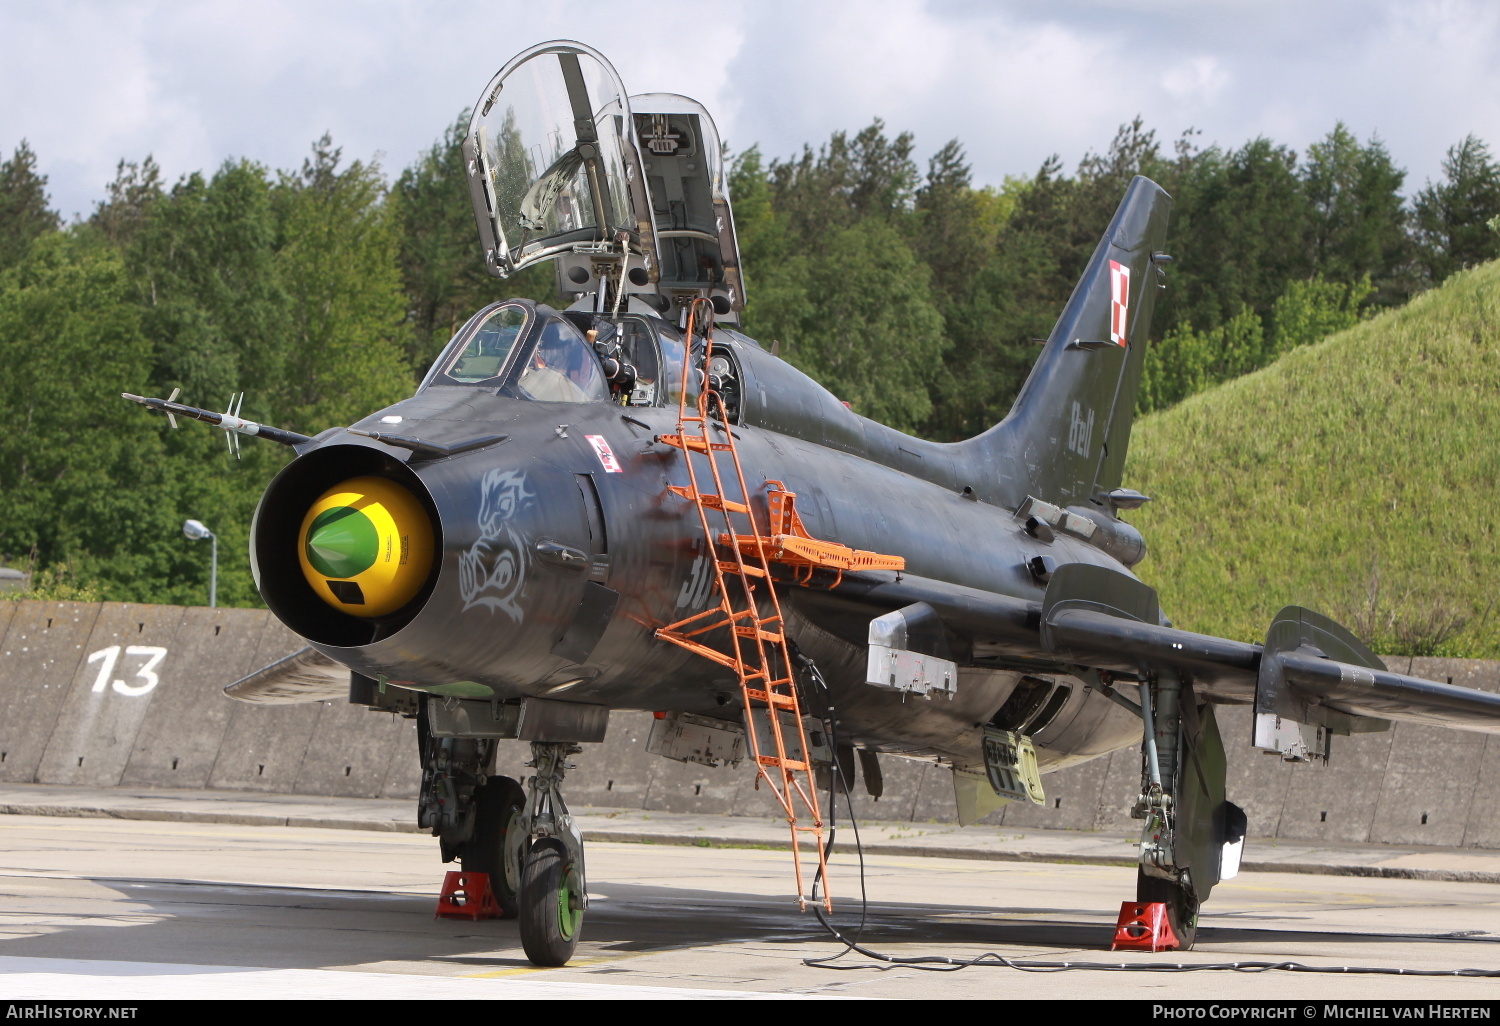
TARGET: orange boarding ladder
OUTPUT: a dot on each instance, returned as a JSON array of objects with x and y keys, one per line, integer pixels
[{"x": 758, "y": 652}]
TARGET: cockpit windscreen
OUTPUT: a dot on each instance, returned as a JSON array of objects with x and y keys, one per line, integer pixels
[{"x": 482, "y": 359}]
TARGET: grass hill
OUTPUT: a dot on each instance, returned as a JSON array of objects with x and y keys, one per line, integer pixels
[{"x": 1357, "y": 477}]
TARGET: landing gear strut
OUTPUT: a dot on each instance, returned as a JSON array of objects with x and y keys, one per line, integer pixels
[
  {"x": 1172, "y": 751},
  {"x": 544, "y": 843}
]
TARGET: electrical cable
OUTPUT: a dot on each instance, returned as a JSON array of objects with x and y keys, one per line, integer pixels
[
  {"x": 839, "y": 783},
  {"x": 882, "y": 962}
]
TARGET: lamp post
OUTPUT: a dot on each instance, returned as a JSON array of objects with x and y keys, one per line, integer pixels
[{"x": 195, "y": 531}]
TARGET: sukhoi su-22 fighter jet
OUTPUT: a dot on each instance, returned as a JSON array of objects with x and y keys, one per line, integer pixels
[{"x": 623, "y": 502}]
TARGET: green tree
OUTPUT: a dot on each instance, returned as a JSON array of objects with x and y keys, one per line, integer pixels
[
  {"x": 1239, "y": 232},
  {"x": 1009, "y": 304},
  {"x": 1177, "y": 366},
  {"x": 953, "y": 234},
  {"x": 82, "y": 475},
  {"x": 337, "y": 262},
  {"x": 24, "y": 214},
  {"x": 1358, "y": 223},
  {"x": 980, "y": 288},
  {"x": 1452, "y": 216},
  {"x": 775, "y": 285},
  {"x": 847, "y": 180},
  {"x": 1309, "y": 311},
  {"x": 129, "y": 200},
  {"x": 860, "y": 318}
]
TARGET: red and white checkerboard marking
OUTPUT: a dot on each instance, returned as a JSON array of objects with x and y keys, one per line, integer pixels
[{"x": 1119, "y": 301}]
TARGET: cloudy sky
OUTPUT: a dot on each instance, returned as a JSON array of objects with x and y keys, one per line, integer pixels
[{"x": 194, "y": 83}]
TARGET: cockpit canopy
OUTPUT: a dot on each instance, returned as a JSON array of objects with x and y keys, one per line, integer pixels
[
  {"x": 689, "y": 190},
  {"x": 553, "y": 159},
  {"x": 557, "y": 171},
  {"x": 525, "y": 350}
]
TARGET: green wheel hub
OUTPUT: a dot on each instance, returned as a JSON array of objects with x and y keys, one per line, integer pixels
[{"x": 568, "y": 917}]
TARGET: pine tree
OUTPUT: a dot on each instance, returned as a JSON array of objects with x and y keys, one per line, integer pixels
[
  {"x": 337, "y": 262},
  {"x": 24, "y": 214},
  {"x": 1452, "y": 216},
  {"x": 1358, "y": 223}
]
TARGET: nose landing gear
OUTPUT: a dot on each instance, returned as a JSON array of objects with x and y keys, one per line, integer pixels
[
  {"x": 523, "y": 839},
  {"x": 545, "y": 844}
]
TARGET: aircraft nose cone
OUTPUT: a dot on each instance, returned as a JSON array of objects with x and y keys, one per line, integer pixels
[
  {"x": 342, "y": 542},
  {"x": 366, "y": 546}
]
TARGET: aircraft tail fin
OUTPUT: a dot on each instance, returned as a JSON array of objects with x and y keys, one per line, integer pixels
[{"x": 1065, "y": 438}]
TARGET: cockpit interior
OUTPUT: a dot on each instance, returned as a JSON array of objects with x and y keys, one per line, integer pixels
[{"x": 527, "y": 351}]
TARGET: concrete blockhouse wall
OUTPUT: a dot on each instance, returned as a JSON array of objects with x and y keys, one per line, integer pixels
[{"x": 116, "y": 694}]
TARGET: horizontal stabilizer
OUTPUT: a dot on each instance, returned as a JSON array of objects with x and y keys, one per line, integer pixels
[
  {"x": 1311, "y": 672},
  {"x": 304, "y": 676}
]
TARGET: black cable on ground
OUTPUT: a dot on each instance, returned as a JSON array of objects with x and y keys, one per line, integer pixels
[{"x": 947, "y": 964}]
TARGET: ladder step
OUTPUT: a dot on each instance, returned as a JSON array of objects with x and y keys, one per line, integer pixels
[
  {"x": 771, "y": 698},
  {"x": 711, "y": 501},
  {"x": 738, "y": 568},
  {"x": 697, "y": 443},
  {"x": 771, "y": 760},
  {"x": 756, "y": 632}
]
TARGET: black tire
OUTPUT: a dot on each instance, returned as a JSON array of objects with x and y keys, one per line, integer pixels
[
  {"x": 1182, "y": 906},
  {"x": 496, "y": 806},
  {"x": 550, "y": 923}
]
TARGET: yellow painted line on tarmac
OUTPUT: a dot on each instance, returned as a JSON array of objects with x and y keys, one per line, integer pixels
[{"x": 578, "y": 963}]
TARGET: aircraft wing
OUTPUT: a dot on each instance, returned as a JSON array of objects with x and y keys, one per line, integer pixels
[
  {"x": 306, "y": 675},
  {"x": 1309, "y": 679}
]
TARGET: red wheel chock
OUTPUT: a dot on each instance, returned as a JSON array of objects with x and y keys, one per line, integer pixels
[
  {"x": 1142, "y": 926},
  {"x": 467, "y": 896}
]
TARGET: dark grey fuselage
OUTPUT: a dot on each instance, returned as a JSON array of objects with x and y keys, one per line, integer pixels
[
  {"x": 856, "y": 482},
  {"x": 561, "y": 549}
]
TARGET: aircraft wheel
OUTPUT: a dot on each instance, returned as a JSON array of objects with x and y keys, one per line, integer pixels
[
  {"x": 498, "y": 804},
  {"x": 1182, "y": 905},
  {"x": 551, "y": 904}
]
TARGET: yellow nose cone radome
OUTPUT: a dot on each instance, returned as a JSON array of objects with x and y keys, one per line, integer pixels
[{"x": 366, "y": 546}]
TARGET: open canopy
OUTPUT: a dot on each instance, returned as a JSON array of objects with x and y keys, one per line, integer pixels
[
  {"x": 552, "y": 160},
  {"x": 685, "y": 175},
  {"x": 628, "y": 202}
]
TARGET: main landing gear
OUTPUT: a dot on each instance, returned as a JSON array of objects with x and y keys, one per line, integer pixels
[
  {"x": 1189, "y": 827},
  {"x": 499, "y": 805}
]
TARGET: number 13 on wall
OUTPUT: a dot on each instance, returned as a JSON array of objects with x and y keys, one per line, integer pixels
[{"x": 108, "y": 657}]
